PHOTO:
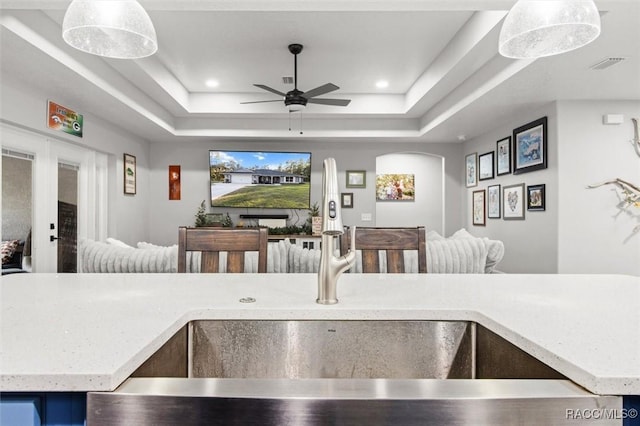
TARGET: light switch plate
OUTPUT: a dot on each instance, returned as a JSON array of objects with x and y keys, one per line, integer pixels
[{"x": 365, "y": 217}]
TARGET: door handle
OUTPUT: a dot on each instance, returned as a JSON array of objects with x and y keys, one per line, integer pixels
[{"x": 52, "y": 238}]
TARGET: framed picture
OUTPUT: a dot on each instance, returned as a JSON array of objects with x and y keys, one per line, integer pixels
[
  {"x": 503, "y": 152},
  {"x": 395, "y": 187},
  {"x": 130, "y": 176},
  {"x": 214, "y": 219},
  {"x": 535, "y": 197},
  {"x": 479, "y": 208},
  {"x": 513, "y": 202},
  {"x": 493, "y": 202},
  {"x": 486, "y": 166},
  {"x": 530, "y": 147},
  {"x": 356, "y": 179},
  {"x": 346, "y": 200},
  {"x": 471, "y": 169},
  {"x": 175, "y": 187}
]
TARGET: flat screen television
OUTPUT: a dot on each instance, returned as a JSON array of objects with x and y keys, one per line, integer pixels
[{"x": 260, "y": 179}]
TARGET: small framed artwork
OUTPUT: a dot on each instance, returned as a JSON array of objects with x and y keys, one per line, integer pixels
[
  {"x": 503, "y": 152},
  {"x": 395, "y": 187},
  {"x": 346, "y": 200},
  {"x": 356, "y": 179},
  {"x": 486, "y": 166},
  {"x": 175, "y": 188},
  {"x": 214, "y": 219},
  {"x": 471, "y": 169},
  {"x": 130, "y": 176},
  {"x": 530, "y": 147},
  {"x": 479, "y": 208},
  {"x": 535, "y": 197},
  {"x": 513, "y": 202},
  {"x": 493, "y": 202}
]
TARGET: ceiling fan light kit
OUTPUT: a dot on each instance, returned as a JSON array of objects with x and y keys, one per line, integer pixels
[
  {"x": 296, "y": 100},
  {"x": 119, "y": 29},
  {"x": 539, "y": 28}
]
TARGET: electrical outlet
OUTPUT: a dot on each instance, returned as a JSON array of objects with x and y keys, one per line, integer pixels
[{"x": 365, "y": 217}]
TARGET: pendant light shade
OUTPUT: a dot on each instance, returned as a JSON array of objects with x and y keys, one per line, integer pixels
[
  {"x": 112, "y": 28},
  {"x": 538, "y": 28}
]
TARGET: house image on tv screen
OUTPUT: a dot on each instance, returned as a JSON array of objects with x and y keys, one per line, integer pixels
[
  {"x": 262, "y": 176},
  {"x": 252, "y": 179}
]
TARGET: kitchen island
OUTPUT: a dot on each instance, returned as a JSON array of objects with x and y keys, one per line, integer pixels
[{"x": 90, "y": 332}]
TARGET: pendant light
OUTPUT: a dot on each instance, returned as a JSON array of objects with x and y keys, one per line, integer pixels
[
  {"x": 539, "y": 28},
  {"x": 112, "y": 28}
]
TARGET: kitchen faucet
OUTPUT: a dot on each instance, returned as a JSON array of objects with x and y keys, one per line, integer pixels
[{"x": 332, "y": 266}]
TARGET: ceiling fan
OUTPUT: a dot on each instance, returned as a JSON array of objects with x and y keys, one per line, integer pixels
[{"x": 297, "y": 100}]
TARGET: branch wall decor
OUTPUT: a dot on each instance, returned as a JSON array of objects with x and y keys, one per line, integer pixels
[{"x": 630, "y": 192}]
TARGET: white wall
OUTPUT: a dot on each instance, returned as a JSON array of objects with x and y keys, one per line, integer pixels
[
  {"x": 595, "y": 235},
  {"x": 428, "y": 207},
  {"x": 531, "y": 245},
  {"x": 582, "y": 230},
  {"x": 24, "y": 106},
  {"x": 166, "y": 216}
]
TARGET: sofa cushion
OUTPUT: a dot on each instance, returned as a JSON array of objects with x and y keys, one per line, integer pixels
[
  {"x": 303, "y": 260},
  {"x": 456, "y": 256},
  {"x": 495, "y": 249},
  {"x": 96, "y": 256},
  {"x": 102, "y": 257},
  {"x": 117, "y": 243},
  {"x": 7, "y": 250}
]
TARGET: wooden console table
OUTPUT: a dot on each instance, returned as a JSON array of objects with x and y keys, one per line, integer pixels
[{"x": 306, "y": 241}]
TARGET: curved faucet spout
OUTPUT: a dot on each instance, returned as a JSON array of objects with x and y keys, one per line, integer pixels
[{"x": 331, "y": 267}]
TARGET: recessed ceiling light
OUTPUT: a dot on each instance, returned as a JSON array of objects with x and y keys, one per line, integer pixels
[
  {"x": 381, "y": 84},
  {"x": 212, "y": 83}
]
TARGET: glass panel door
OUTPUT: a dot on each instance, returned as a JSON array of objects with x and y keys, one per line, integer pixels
[
  {"x": 17, "y": 207},
  {"x": 67, "y": 217},
  {"x": 68, "y": 198}
]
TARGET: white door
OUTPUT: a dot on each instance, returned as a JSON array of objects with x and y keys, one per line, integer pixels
[
  {"x": 68, "y": 200},
  {"x": 69, "y": 197}
]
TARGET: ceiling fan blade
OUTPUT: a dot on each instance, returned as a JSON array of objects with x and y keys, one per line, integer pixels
[
  {"x": 259, "y": 102},
  {"x": 269, "y": 89},
  {"x": 325, "y": 88},
  {"x": 336, "y": 102}
]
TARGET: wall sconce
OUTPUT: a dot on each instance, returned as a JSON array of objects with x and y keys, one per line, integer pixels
[
  {"x": 539, "y": 28},
  {"x": 118, "y": 29}
]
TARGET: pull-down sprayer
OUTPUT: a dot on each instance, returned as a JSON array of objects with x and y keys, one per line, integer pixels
[{"x": 331, "y": 266}]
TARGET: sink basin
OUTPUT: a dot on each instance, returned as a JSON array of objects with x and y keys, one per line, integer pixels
[
  {"x": 343, "y": 372},
  {"x": 342, "y": 349},
  {"x": 332, "y": 349}
]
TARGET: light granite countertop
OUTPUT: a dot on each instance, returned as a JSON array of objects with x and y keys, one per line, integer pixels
[{"x": 88, "y": 332}]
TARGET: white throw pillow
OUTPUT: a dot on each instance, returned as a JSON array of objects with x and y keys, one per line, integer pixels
[
  {"x": 456, "y": 256},
  {"x": 495, "y": 249},
  {"x": 434, "y": 236},
  {"x": 117, "y": 243}
]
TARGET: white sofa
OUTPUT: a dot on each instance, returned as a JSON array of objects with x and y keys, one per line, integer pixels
[{"x": 461, "y": 253}]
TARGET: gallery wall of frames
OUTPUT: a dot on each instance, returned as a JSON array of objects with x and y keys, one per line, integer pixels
[{"x": 521, "y": 153}]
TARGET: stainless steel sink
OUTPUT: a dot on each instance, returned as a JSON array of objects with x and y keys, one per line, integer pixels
[
  {"x": 331, "y": 349},
  {"x": 342, "y": 349},
  {"x": 343, "y": 372}
]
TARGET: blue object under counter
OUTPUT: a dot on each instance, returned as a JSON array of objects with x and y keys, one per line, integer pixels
[{"x": 43, "y": 409}]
